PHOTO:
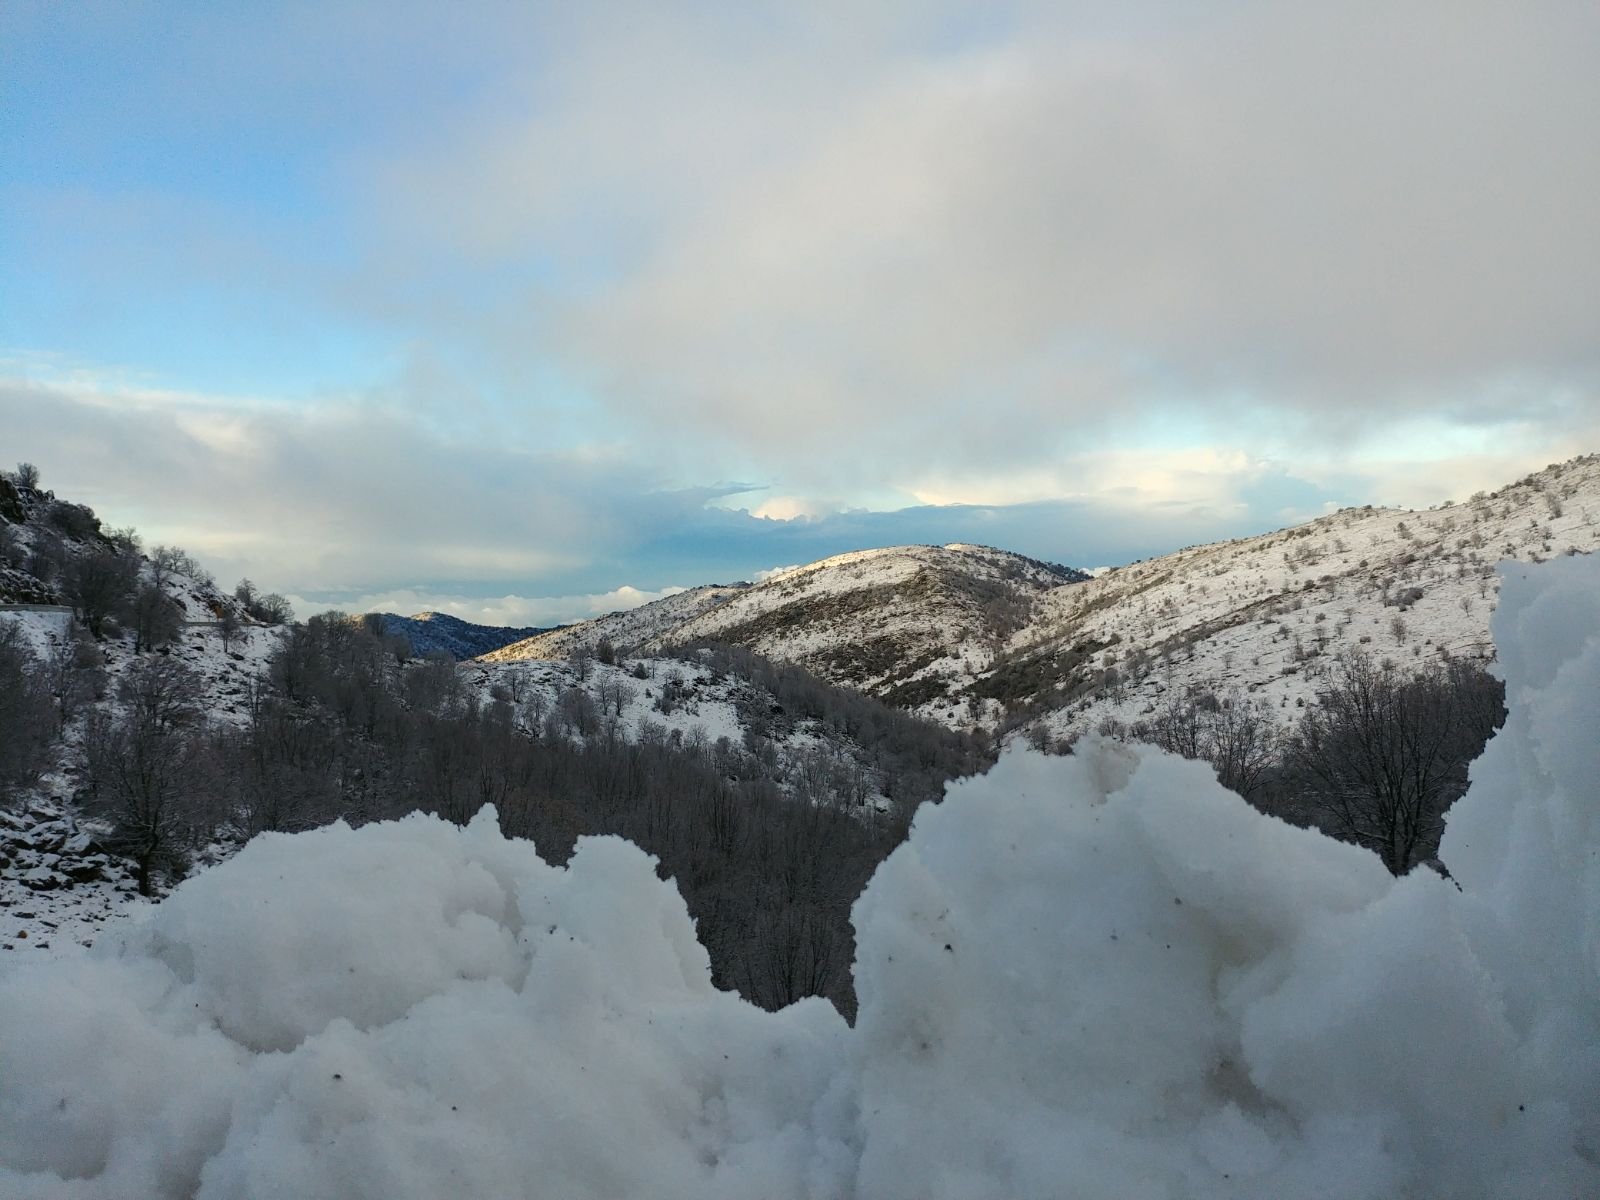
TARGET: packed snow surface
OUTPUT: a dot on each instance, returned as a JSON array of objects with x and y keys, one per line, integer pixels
[{"x": 1096, "y": 976}]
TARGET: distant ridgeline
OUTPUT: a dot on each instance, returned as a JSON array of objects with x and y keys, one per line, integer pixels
[{"x": 431, "y": 633}]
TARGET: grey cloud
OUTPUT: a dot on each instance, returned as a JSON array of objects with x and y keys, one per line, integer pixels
[
  {"x": 346, "y": 505},
  {"x": 346, "y": 496},
  {"x": 815, "y": 256}
]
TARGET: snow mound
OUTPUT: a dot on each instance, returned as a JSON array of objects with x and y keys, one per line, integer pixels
[
  {"x": 411, "y": 1010},
  {"x": 1100, "y": 976}
]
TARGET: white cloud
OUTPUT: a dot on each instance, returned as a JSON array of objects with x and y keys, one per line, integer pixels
[
  {"x": 836, "y": 251},
  {"x": 774, "y": 572},
  {"x": 340, "y": 496}
]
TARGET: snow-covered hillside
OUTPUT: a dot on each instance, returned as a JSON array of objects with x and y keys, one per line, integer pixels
[
  {"x": 1264, "y": 616},
  {"x": 965, "y": 635},
  {"x": 907, "y": 624},
  {"x": 628, "y": 631},
  {"x": 742, "y": 723},
  {"x": 975, "y": 637},
  {"x": 57, "y": 884},
  {"x": 685, "y": 702},
  {"x": 1092, "y": 977}
]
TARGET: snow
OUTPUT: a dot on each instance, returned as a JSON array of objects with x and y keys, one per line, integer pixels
[
  {"x": 1264, "y": 616},
  {"x": 43, "y": 629},
  {"x": 1094, "y": 976},
  {"x": 625, "y": 629},
  {"x": 706, "y": 711},
  {"x": 411, "y": 1010}
]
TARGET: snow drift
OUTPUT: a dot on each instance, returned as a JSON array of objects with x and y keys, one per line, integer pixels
[{"x": 1101, "y": 976}]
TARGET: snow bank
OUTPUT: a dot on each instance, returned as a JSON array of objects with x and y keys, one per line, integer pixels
[{"x": 1100, "y": 976}]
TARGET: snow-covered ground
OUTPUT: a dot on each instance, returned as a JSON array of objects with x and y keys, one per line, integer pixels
[
  {"x": 1096, "y": 976},
  {"x": 681, "y": 699},
  {"x": 628, "y": 629},
  {"x": 56, "y": 889}
]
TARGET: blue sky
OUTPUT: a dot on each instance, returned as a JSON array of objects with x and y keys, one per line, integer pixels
[{"x": 523, "y": 311}]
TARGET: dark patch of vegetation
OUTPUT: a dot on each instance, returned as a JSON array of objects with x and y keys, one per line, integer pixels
[
  {"x": 1036, "y": 680},
  {"x": 769, "y": 860},
  {"x": 1377, "y": 760},
  {"x": 29, "y": 718}
]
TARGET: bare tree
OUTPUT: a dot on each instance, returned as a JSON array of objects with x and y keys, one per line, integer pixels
[
  {"x": 577, "y": 711},
  {"x": 167, "y": 561},
  {"x": 581, "y": 660},
  {"x": 1381, "y": 756},
  {"x": 228, "y": 626},
  {"x": 157, "y": 620},
  {"x": 269, "y": 609},
  {"x": 27, "y": 714},
  {"x": 1243, "y": 744},
  {"x": 75, "y": 674},
  {"x": 26, "y": 475},
  {"x": 434, "y": 685},
  {"x": 1239, "y": 739},
  {"x": 613, "y": 694},
  {"x": 100, "y": 586},
  {"x": 145, "y": 766}
]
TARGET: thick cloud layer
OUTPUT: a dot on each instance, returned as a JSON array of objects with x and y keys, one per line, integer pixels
[
  {"x": 858, "y": 253},
  {"x": 1100, "y": 976},
  {"x": 352, "y": 506}
]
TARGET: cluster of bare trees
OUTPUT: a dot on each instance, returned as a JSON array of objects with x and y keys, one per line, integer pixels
[
  {"x": 29, "y": 720},
  {"x": 1235, "y": 735},
  {"x": 269, "y": 607},
  {"x": 769, "y": 855},
  {"x": 148, "y": 768},
  {"x": 1377, "y": 759},
  {"x": 1383, "y": 754}
]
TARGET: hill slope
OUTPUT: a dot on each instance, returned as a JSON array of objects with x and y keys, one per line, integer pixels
[
  {"x": 627, "y": 631},
  {"x": 972, "y": 636},
  {"x": 910, "y": 625},
  {"x": 1264, "y": 616}
]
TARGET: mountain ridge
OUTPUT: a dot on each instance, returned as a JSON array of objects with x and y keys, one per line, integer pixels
[
  {"x": 976, "y": 637},
  {"x": 895, "y": 622}
]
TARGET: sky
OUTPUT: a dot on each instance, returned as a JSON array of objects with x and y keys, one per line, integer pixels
[{"x": 525, "y": 312}]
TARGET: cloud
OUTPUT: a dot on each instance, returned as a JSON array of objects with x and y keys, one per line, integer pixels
[
  {"x": 519, "y": 286},
  {"x": 342, "y": 496},
  {"x": 830, "y": 258},
  {"x": 358, "y": 505}
]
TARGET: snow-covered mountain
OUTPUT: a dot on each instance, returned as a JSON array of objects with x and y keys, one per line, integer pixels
[
  {"x": 1263, "y": 617},
  {"x": 627, "y": 631},
  {"x": 976, "y": 637},
  {"x": 909, "y": 625},
  {"x": 435, "y": 632}
]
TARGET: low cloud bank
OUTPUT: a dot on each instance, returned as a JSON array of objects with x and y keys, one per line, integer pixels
[{"x": 1100, "y": 976}]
